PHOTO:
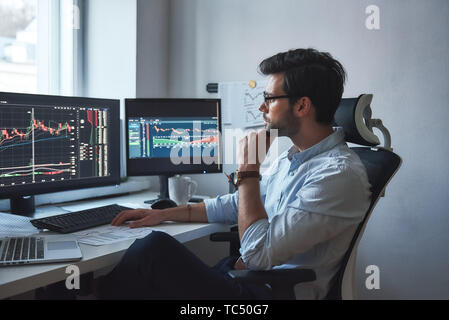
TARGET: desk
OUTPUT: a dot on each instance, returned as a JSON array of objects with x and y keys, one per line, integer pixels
[{"x": 20, "y": 279}]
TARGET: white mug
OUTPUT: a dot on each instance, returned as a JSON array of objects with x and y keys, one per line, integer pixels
[{"x": 181, "y": 189}]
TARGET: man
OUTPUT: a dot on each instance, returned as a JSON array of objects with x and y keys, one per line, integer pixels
[{"x": 303, "y": 214}]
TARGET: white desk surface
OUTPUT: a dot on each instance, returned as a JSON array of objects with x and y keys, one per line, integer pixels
[{"x": 20, "y": 279}]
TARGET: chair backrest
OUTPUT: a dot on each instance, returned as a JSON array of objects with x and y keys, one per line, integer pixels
[{"x": 380, "y": 164}]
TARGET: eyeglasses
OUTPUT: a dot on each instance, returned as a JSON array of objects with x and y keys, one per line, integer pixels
[{"x": 267, "y": 98}]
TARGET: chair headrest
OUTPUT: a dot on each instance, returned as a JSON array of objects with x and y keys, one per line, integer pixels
[{"x": 353, "y": 114}]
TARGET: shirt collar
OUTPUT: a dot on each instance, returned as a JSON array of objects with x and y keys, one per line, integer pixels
[{"x": 324, "y": 145}]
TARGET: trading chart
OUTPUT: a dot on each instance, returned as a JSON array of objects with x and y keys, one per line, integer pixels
[
  {"x": 156, "y": 138},
  {"x": 48, "y": 143}
]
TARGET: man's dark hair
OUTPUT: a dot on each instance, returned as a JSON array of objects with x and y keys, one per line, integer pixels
[{"x": 310, "y": 73}]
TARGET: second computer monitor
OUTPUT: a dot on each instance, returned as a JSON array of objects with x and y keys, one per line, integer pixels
[{"x": 173, "y": 136}]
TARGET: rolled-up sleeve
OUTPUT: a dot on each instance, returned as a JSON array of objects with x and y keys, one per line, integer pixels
[
  {"x": 332, "y": 202},
  {"x": 222, "y": 209}
]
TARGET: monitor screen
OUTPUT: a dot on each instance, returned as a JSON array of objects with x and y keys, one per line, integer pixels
[
  {"x": 173, "y": 136},
  {"x": 52, "y": 143}
]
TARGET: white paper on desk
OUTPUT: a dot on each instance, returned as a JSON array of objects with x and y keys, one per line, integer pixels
[
  {"x": 110, "y": 234},
  {"x": 13, "y": 225}
]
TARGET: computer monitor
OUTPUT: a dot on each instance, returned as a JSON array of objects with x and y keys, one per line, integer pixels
[
  {"x": 54, "y": 143},
  {"x": 165, "y": 137}
]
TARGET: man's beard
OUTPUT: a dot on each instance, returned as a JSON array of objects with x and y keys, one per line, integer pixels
[{"x": 286, "y": 127}]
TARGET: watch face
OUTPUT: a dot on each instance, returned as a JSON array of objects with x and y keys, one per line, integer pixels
[{"x": 236, "y": 178}]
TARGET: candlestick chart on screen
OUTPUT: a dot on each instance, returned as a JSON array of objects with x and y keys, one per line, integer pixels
[
  {"x": 156, "y": 138},
  {"x": 48, "y": 143}
]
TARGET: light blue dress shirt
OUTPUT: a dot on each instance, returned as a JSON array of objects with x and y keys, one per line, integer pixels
[{"x": 314, "y": 200}]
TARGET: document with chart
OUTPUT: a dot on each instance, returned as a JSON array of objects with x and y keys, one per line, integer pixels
[
  {"x": 252, "y": 99},
  {"x": 245, "y": 96}
]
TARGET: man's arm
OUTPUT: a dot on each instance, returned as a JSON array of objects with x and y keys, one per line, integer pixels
[
  {"x": 181, "y": 214},
  {"x": 148, "y": 218},
  {"x": 251, "y": 208}
]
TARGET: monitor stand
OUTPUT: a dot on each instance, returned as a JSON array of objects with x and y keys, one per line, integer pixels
[
  {"x": 23, "y": 206},
  {"x": 163, "y": 189}
]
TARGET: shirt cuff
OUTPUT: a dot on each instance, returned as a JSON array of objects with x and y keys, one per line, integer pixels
[
  {"x": 222, "y": 209},
  {"x": 213, "y": 210}
]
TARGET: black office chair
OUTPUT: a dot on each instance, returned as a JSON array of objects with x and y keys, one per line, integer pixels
[{"x": 354, "y": 115}]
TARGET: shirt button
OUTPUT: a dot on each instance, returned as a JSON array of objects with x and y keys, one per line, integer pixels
[{"x": 291, "y": 173}]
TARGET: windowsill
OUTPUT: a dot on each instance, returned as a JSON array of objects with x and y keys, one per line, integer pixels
[{"x": 133, "y": 184}]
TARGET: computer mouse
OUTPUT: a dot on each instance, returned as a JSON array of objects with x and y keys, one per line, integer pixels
[{"x": 164, "y": 204}]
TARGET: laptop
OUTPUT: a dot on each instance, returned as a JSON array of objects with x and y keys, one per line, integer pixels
[{"x": 38, "y": 249}]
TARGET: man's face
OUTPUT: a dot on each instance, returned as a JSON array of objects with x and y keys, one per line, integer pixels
[{"x": 278, "y": 113}]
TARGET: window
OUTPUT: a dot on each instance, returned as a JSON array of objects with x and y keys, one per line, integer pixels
[
  {"x": 40, "y": 42},
  {"x": 18, "y": 45}
]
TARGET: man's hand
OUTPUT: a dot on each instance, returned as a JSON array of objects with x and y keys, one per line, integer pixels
[
  {"x": 139, "y": 218},
  {"x": 148, "y": 218},
  {"x": 252, "y": 150}
]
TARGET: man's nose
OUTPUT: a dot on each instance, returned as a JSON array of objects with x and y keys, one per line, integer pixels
[{"x": 263, "y": 107}]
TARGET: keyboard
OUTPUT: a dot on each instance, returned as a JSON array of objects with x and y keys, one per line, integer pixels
[
  {"x": 80, "y": 220},
  {"x": 20, "y": 249}
]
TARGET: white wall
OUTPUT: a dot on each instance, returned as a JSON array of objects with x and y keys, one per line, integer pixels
[
  {"x": 405, "y": 66},
  {"x": 152, "y": 48},
  {"x": 110, "y": 48}
]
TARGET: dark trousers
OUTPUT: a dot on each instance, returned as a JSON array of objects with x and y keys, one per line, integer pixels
[{"x": 160, "y": 267}]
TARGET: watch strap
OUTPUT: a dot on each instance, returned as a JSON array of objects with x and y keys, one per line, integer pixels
[
  {"x": 249, "y": 174},
  {"x": 241, "y": 175}
]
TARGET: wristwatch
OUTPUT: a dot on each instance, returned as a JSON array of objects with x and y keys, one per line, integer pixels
[{"x": 237, "y": 177}]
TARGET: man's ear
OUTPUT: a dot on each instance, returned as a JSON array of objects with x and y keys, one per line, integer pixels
[{"x": 303, "y": 107}]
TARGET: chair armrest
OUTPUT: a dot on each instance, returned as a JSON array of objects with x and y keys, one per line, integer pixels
[
  {"x": 225, "y": 237},
  {"x": 232, "y": 237},
  {"x": 277, "y": 277}
]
